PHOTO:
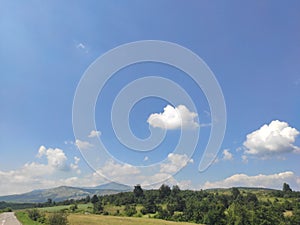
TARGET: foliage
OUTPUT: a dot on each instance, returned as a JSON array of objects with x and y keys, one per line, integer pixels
[
  {"x": 164, "y": 191},
  {"x": 130, "y": 210},
  {"x": 235, "y": 206},
  {"x": 286, "y": 188},
  {"x": 138, "y": 191},
  {"x": 58, "y": 219},
  {"x": 97, "y": 207},
  {"x": 25, "y": 220},
  {"x": 94, "y": 199},
  {"x": 73, "y": 208},
  {"x": 15, "y": 206},
  {"x": 7, "y": 209},
  {"x": 35, "y": 215}
]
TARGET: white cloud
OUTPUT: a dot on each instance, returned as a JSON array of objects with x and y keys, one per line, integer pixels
[
  {"x": 74, "y": 166},
  {"x": 56, "y": 157},
  {"x": 36, "y": 175},
  {"x": 244, "y": 159},
  {"x": 273, "y": 139},
  {"x": 174, "y": 118},
  {"x": 42, "y": 150},
  {"x": 117, "y": 171},
  {"x": 261, "y": 180},
  {"x": 68, "y": 142},
  {"x": 83, "y": 145},
  {"x": 174, "y": 163},
  {"x": 80, "y": 45},
  {"x": 227, "y": 155},
  {"x": 151, "y": 182},
  {"x": 94, "y": 133}
]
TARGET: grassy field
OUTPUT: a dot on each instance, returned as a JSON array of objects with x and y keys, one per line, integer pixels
[
  {"x": 78, "y": 219},
  {"x": 81, "y": 207}
]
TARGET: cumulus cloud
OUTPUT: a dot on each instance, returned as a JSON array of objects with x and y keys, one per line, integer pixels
[
  {"x": 276, "y": 138},
  {"x": 227, "y": 155},
  {"x": 56, "y": 157},
  {"x": 37, "y": 175},
  {"x": 174, "y": 163},
  {"x": 94, "y": 133},
  {"x": 267, "y": 181},
  {"x": 174, "y": 118},
  {"x": 83, "y": 145}
]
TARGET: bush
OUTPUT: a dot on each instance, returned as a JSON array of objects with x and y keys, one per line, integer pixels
[
  {"x": 34, "y": 214},
  {"x": 7, "y": 209},
  {"x": 130, "y": 210},
  {"x": 58, "y": 219},
  {"x": 73, "y": 208}
]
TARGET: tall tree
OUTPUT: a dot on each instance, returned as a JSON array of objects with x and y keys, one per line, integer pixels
[
  {"x": 164, "y": 191},
  {"x": 286, "y": 188},
  {"x": 235, "y": 192},
  {"x": 94, "y": 199},
  {"x": 138, "y": 191}
]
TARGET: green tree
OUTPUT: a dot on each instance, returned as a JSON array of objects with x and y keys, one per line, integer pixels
[
  {"x": 238, "y": 214},
  {"x": 94, "y": 199},
  {"x": 130, "y": 210},
  {"x": 149, "y": 206},
  {"x": 251, "y": 199},
  {"x": 175, "y": 190},
  {"x": 98, "y": 208},
  {"x": 164, "y": 191},
  {"x": 235, "y": 193},
  {"x": 215, "y": 216},
  {"x": 268, "y": 215},
  {"x": 286, "y": 188},
  {"x": 87, "y": 199},
  {"x": 138, "y": 191}
]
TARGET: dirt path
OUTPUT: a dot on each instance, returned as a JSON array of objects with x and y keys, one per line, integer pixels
[{"x": 9, "y": 218}]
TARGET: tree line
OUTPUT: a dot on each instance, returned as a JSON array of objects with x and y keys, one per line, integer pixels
[
  {"x": 235, "y": 206},
  {"x": 207, "y": 207}
]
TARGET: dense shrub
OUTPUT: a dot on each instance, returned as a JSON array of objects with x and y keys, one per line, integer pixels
[{"x": 58, "y": 219}]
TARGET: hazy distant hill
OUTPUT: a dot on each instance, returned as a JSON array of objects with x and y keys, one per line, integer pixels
[{"x": 65, "y": 192}]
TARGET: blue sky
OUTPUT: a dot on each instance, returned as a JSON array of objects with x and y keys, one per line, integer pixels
[{"x": 251, "y": 47}]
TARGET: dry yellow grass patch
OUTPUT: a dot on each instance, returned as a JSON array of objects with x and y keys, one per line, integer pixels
[{"x": 79, "y": 219}]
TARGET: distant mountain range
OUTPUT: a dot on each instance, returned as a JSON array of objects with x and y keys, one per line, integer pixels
[{"x": 64, "y": 192}]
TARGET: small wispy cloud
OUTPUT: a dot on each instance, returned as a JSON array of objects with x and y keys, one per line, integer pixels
[
  {"x": 83, "y": 145},
  {"x": 227, "y": 155},
  {"x": 94, "y": 133},
  {"x": 82, "y": 46}
]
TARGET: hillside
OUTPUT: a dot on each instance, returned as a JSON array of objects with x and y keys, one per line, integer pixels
[{"x": 64, "y": 192}]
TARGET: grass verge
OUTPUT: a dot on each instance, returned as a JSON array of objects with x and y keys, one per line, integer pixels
[{"x": 24, "y": 219}]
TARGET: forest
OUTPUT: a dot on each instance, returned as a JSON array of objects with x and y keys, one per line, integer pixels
[{"x": 235, "y": 206}]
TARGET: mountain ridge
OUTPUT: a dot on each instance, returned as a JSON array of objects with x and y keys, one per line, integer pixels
[{"x": 62, "y": 193}]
